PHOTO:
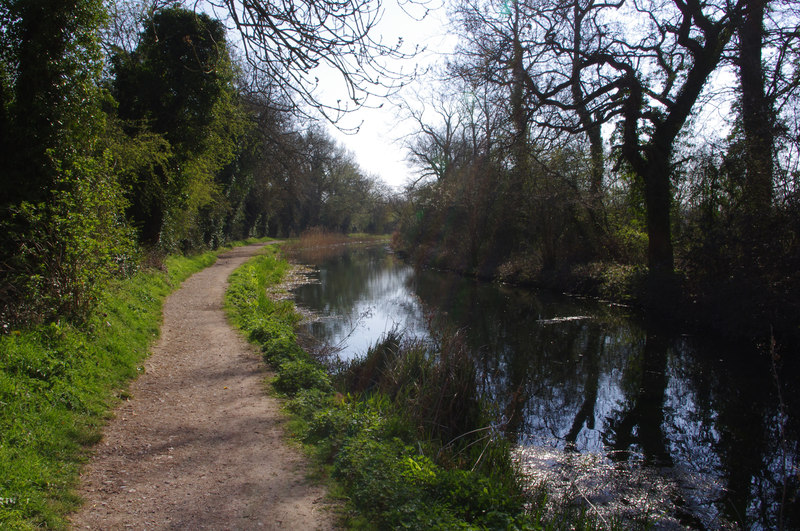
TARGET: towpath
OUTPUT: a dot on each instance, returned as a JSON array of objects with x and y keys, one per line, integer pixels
[{"x": 199, "y": 445}]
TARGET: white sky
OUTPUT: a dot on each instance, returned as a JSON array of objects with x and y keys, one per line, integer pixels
[{"x": 378, "y": 146}]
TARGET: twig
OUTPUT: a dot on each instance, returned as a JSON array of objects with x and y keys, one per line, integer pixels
[{"x": 591, "y": 505}]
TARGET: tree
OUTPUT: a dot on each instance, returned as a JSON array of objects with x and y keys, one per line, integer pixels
[
  {"x": 435, "y": 148},
  {"x": 644, "y": 78},
  {"x": 177, "y": 84},
  {"x": 253, "y": 181},
  {"x": 757, "y": 114},
  {"x": 767, "y": 58},
  {"x": 61, "y": 228},
  {"x": 285, "y": 43}
]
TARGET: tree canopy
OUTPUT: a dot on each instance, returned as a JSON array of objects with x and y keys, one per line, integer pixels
[{"x": 120, "y": 143}]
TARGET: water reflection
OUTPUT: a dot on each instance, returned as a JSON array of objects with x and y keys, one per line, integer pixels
[{"x": 646, "y": 415}]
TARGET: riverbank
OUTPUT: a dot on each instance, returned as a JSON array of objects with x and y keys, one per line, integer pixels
[
  {"x": 402, "y": 434},
  {"x": 737, "y": 310}
]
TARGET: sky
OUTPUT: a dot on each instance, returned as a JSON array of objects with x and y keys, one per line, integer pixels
[{"x": 378, "y": 146}]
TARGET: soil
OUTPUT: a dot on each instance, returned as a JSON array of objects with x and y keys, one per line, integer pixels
[{"x": 199, "y": 444}]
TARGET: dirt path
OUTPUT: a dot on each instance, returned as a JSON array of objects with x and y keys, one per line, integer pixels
[{"x": 199, "y": 445}]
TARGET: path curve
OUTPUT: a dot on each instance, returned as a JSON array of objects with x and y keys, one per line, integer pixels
[{"x": 199, "y": 445}]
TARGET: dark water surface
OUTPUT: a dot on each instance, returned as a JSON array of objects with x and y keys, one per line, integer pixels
[{"x": 604, "y": 408}]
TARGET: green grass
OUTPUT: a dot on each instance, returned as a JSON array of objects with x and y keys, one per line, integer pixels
[{"x": 58, "y": 383}]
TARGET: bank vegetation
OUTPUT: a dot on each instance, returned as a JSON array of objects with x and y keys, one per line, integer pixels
[{"x": 402, "y": 435}]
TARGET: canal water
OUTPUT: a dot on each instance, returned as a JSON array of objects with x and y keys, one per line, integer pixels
[{"x": 604, "y": 410}]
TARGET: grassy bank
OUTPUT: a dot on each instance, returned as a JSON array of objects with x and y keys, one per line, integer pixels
[
  {"x": 402, "y": 434},
  {"x": 58, "y": 383}
]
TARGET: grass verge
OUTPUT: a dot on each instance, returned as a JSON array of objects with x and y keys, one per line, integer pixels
[
  {"x": 58, "y": 383},
  {"x": 402, "y": 433}
]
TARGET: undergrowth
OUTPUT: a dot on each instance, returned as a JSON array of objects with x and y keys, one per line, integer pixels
[{"x": 58, "y": 382}]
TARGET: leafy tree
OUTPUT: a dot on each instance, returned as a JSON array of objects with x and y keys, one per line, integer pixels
[
  {"x": 177, "y": 84},
  {"x": 61, "y": 223}
]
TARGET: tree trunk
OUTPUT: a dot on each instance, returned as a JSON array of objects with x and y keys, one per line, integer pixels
[
  {"x": 757, "y": 112},
  {"x": 588, "y": 124},
  {"x": 658, "y": 198}
]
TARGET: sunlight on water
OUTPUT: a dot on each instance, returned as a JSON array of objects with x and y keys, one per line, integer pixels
[{"x": 623, "y": 419}]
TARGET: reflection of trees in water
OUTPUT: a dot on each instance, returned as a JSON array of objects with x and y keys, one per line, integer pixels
[
  {"x": 640, "y": 424},
  {"x": 349, "y": 277},
  {"x": 643, "y": 396},
  {"x": 585, "y": 415},
  {"x": 606, "y": 384}
]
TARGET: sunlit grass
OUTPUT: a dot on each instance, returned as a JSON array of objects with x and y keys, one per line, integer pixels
[{"x": 58, "y": 383}]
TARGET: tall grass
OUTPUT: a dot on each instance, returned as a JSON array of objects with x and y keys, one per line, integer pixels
[
  {"x": 57, "y": 384},
  {"x": 435, "y": 390}
]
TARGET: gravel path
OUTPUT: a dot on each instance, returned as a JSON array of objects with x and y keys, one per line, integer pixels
[{"x": 199, "y": 445}]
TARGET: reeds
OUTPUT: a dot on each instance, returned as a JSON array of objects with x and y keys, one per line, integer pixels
[
  {"x": 320, "y": 237},
  {"x": 435, "y": 389}
]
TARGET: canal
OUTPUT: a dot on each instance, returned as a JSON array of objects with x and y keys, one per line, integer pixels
[{"x": 603, "y": 408}]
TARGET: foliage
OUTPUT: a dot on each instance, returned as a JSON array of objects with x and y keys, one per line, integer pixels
[
  {"x": 63, "y": 233},
  {"x": 153, "y": 139},
  {"x": 57, "y": 384},
  {"x": 295, "y": 375},
  {"x": 176, "y": 86},
  {"x": 271, "y": 324}
]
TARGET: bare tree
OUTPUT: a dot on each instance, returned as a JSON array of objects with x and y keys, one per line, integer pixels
[
  {"x": 293, "y": 51},
  {"x": 641, "y": 65},
  {"x": 286, "y": 45},
  {"x": 434, "y": 147},
  {"x": 767, "y": 57}
]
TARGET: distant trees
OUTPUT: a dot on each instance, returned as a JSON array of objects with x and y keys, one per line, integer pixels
[
  {"x": 140, "y": 133},
  {"x": 323, "y": 187}
]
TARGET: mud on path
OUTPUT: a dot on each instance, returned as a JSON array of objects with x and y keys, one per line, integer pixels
[{"x": 199, "y": 445}]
